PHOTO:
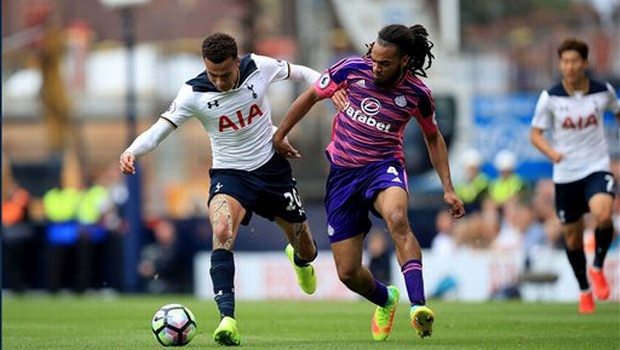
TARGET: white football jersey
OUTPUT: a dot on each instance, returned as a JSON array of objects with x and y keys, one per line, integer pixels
[
  {"x": 575, "y": 123},
  {"x": 238, "y": 121}
]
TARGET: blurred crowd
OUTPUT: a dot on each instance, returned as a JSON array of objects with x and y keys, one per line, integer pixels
[
  {"x": 505, "y": 212},
  {"x": 71, "y": 238}
]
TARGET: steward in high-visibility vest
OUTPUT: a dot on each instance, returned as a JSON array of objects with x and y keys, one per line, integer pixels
[
  {"x": 60, "y": 207},
  {"x": 90, "y": 212},
  {"x": 474, "y": 189},
  {"x": 472, "y": 193},
  {"x": 503, "y": 189},
  {"x": 508, "y": 185}
]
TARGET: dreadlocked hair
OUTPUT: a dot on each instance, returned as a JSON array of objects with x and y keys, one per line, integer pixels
[{"x": 412, "y": 41}]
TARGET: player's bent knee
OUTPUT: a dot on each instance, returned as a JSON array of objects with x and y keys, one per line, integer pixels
[
  {"x": 397, "y": 221},
  {"x": 348, "y": 276}
]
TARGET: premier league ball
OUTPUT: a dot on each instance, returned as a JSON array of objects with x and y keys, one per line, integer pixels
[{"x": 174, "y": 325}]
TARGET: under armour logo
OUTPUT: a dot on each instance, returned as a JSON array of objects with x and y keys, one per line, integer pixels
[
  {"x": 218, "y": 186},
  {"x": 212, "y": 104},
  {"x": 251, "y": 88}
]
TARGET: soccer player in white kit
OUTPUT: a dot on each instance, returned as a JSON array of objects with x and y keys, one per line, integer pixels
[
  {"x": 572, "y": 111},
  {"x": 230, "y": 100}
]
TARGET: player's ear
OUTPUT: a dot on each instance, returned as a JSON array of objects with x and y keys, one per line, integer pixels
[{"x": 404, "y": 60}]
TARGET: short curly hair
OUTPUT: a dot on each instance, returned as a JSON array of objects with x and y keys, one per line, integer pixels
[
  {"x": 218, "y": 47},
  {"x": 572, "y": 44}
]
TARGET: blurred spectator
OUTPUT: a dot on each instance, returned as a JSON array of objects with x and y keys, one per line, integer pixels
[
  {"x": 444, "y": 243},
  {"x": 115, "y": 224},
  {"x": 60, "y": 205},
  {"x": 475, "y": 185},
  {"x": 17, "y": 230},
  {"x": 479, "y": 229},
  {"x": 543, "y": 200},
  {"x": 380, "y": 263},
  {"x": 161, "y": 263},
  {"x": 92, "y": 237},
  {"x": 508, "y": 185},
  {"x": 511, "y": 234}
]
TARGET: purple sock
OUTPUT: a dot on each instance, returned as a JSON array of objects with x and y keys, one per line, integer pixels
[
  {"x": 412, "y": 271},
  {"x": 378, "y": 295}
]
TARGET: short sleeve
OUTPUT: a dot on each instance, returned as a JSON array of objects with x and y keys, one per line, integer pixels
[
  {"x": 271, "y": 68},
  {"x": 332, "y": 79},
  {"x": 614, "y": 103},
  {"x": 180, "y": 110},
  {"x": 542, "y": 113}
]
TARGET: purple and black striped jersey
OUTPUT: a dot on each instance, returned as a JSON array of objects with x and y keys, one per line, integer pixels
[{"x": 370, "y": 128}]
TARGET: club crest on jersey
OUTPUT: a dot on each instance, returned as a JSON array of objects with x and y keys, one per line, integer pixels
[
  {"x": 251, "y": 88},
  {"x": 239, "y": 120},
  {"x": 400, "y": 101},
  {"x": 171, "y": 108}
]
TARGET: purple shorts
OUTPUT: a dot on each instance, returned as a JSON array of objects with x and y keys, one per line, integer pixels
[{"x": 350, "y": 194}]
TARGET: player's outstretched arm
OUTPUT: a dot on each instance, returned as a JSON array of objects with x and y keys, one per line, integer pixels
[
  {"x": 144, "y": 143},
  {"x": 303, "y": 74},
  {"x": 295, "y": 113},
  {"x": 438, "y": 152}
]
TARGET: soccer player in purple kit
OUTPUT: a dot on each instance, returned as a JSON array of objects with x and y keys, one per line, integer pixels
[{"x": 367, "y": 166}]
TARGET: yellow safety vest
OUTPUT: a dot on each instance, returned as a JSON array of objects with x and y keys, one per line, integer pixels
[
  {"x": 61, "y": 205},
  {"x": 470, "y": 192},
  {"x": 89, "y": 210},
  {"x": 502, "y": 189}
]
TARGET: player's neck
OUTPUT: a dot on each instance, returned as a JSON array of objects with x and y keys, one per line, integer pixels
[
  {"x": 238, "y": 78},
  {"x": 581, "y": 85}
]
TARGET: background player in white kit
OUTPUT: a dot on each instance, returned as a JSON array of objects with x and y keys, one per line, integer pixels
[
  {"x": 229, "y": 99},
  {"x": 572, "y": 111}
]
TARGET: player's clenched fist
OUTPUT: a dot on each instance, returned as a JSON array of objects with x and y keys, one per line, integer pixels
[{"x": 126, "y": 163}]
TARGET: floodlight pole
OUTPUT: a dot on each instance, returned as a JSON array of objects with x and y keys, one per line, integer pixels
[
  {"x": 133, "y": 239},
  {"x": 132, "y": 242}
]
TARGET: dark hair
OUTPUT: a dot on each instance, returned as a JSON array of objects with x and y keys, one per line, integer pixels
[
  {"x": 218, "y": 47},
  {"x": 573, "y": 44},
  {"x": 412, "y": 41}
]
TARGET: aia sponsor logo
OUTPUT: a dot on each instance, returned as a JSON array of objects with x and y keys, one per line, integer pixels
[
  {"x": 239, "y": 120},
  {"x": 579, "y": 123}
]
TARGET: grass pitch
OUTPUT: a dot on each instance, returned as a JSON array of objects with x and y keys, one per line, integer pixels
[{"x": 60, "y": 322}]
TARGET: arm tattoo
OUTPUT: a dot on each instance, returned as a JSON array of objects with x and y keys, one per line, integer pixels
[{"x": 221, "y": 210}]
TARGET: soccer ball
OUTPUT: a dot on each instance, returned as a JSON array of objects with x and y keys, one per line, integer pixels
[{"x": 174, "y": 325}]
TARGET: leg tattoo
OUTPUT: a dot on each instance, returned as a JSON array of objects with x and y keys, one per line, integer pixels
[{"x": 221, "y": 211}]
